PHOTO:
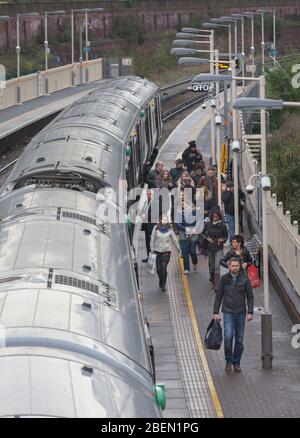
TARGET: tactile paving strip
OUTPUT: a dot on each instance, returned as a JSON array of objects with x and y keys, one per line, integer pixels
[{"x": 194, "y": 380}]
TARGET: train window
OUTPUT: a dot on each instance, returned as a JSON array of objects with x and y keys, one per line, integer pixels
[
  {"x": 150, "y": 124},
  {"x": 137, "y": 152},
  {"x": 131, "y": 166},
  {"x": 153, "y": 122},
  {"x": 144, "y": 142},
  {"x": 158, "y": 114}
]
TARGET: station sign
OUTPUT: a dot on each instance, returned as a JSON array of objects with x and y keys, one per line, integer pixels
[{"x": 201, "y": 87}]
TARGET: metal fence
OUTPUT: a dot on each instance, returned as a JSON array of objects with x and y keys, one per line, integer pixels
[{"x": 283, "y": 235}]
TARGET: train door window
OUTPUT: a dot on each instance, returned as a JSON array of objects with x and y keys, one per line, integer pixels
[
  {"x": 130, "y": 169},
  {"x": 137, "y": 152},
  {"x": 153, "y": 122},
  {"x": 144, "y": 142},
  {"x": 158, "y": 114},
  {"x": 150, "y": 125}
]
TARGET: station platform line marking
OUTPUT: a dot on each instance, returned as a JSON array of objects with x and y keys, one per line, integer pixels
[{"x": 212, "y": 388}]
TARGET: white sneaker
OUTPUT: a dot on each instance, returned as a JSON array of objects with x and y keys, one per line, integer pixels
[
  {"x": 186, "y": 271},
  {"x": 195, "y": 268}
]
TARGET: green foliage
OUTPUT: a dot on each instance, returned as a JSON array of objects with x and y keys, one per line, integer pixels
[
  {"x": 130, "y": 28},
  {"x": 280, "y": 86},
  {"x": 158, "y": 62},
  {"x": 284, "y": 163},
  {"x": 129, "y": 3}
]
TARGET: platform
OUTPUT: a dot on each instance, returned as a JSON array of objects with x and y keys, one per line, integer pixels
[
  {"x": 19, "y": 116},
  {"x": 196, "y": 384}
]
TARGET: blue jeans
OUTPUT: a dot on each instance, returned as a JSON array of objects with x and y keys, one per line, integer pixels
[
  {"x": 234, "y": 327},
  {"x": 230, "y": 222},
  {"x": 188, "y": 248}
]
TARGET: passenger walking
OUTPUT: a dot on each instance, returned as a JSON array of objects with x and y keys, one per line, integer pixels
[
  {"x": 210, "y": 181},
  {"x": 164, "y": 180},
  {"x": 151, "y": 177},
  {"x": 177, "y": 171},
  {"x": 236, "y": 294},
  {"x": 228, "y": 200},
  {"x": 162, "y": 240},
  {"x": 191, "y": 156},
  {"x": 216, "y": 234},
  {"x": 185, "y": 224},
  {"x": 242, "y": 199},
  {"x": 239, "y": 251},
  {"x": 186, "y": 182},
  {"x": 197, "y": 173},
  {"x": 147, "y": 225}
]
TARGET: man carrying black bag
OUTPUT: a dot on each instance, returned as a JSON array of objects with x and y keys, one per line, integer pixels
[{"x": 236, "y": 293}]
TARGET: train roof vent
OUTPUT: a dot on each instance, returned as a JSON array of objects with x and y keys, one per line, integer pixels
[
  {"x": 65, "y": 280},
  {"x": 104, "y": 290},
  {"x": 79, "y": 217},
  {"x": 104, "y": 228}
]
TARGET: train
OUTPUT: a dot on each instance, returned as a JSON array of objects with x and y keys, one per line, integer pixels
[{"x": 73, "y": 335}]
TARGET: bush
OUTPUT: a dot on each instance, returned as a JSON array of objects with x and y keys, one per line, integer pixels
[
  {"x": 284, "y": 162},
  {"x": 130, "y": 28}
]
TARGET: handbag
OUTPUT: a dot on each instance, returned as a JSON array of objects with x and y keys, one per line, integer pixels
[
  {"x": 253, "y": 275},
  {"x": 214, "y": 335},
  {"x": 152, "y": 262}
]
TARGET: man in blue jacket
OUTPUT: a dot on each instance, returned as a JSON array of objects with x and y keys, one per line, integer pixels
[{"x": 235, "y": 291}]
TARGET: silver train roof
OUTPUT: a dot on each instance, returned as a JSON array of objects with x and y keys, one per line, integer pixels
[{"x": 89, "y": 135}]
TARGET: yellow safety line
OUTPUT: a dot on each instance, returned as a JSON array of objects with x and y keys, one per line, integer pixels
[{"x": 201, "y": 351}]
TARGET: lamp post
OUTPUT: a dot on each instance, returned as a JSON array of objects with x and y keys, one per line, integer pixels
[
  {"x": 46, "y": 46},
  {"x": 214, "y": 25},
  {"x": 263, "y": 104},
  {"x": 252, "y": 49},
  {"x": 194, "y": 32},
  {"x": 273, "y": 12},
  {"x": 217, "y": 78},
  {"x": 85, "y": 11},
  {"x": 18, "y": 50}
]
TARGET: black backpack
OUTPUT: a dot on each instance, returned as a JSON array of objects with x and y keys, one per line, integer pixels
[{"x": 214, "y": 335}]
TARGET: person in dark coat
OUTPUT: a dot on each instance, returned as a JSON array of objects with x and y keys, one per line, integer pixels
[
  {"x": 177, "y": 171},
  {"x": 239, "y": 251},
  {"x": 148, "y": 164},
  {"x": 228, "y": 200},
  {"x": 191, "y": 156},
  {"x": 210, "y": 181},
  {"x": 151, "y": 177},
  {"x": 197, "y": 173},
  {"x": 147, "y": 225},
  {"x": 215, "y": 232},
  {"x": 236, "y": 296}
]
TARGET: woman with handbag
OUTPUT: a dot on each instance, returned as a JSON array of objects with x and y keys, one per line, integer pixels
[{"x": 162, "y": 240}]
